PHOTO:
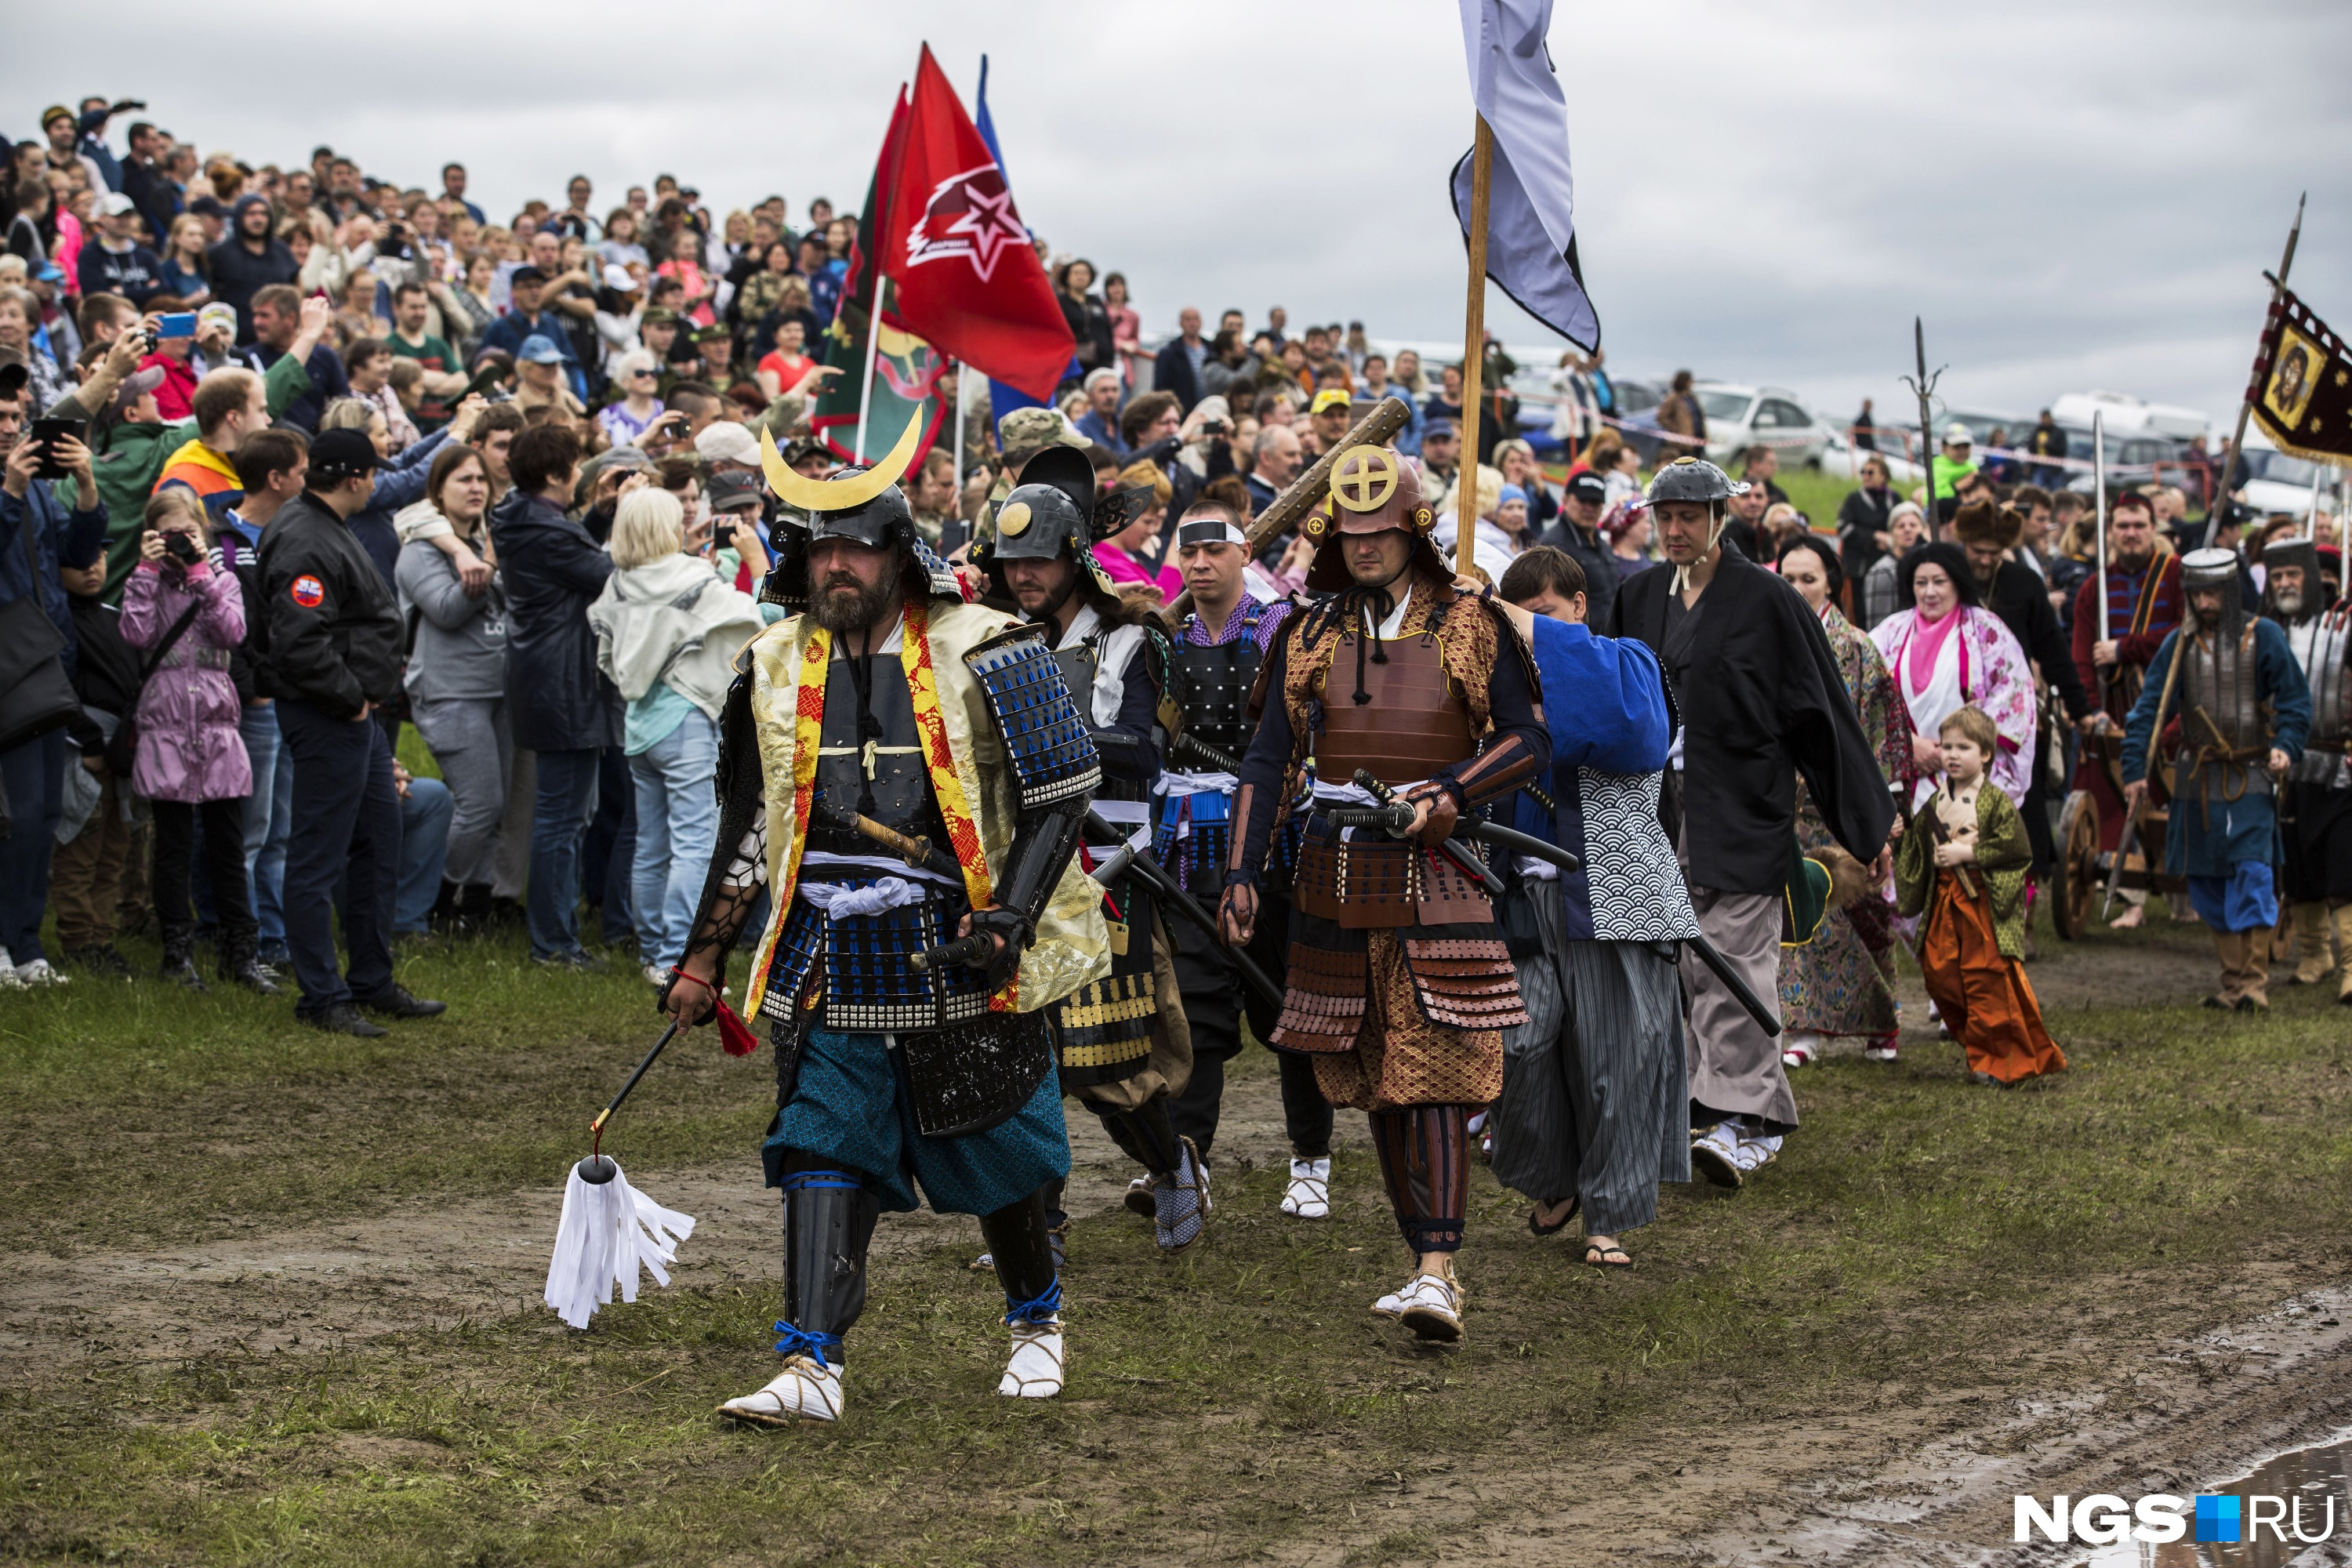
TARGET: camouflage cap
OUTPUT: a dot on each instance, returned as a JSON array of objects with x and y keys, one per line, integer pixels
[
  {"x": 1033, "y": 427},
  {"x": 658, "y": 315}
]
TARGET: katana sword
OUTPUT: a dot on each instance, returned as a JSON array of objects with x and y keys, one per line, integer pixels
[
  {"x": 915, "y": 851},
  {"x": 1223, "y": 760},
  {"x": 1469, "y": 864},
  {"x": 1155, "y": 875}
]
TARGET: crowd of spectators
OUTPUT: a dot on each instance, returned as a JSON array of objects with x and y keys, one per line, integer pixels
[{"x": 353, "y": 458}]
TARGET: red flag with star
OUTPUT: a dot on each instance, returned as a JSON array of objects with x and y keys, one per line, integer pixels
[{"x": 967, "y": 279}]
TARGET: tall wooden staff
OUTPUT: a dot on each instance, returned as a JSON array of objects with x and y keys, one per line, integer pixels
[
  {"x": 1473, "y": 355},
  {"x": 2220, "y": 502},
  {"x": 2099, "y": 511}
]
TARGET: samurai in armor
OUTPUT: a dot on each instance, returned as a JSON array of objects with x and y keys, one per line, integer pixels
[
  {"x": 1215, "y": 659},
  {"x": 2315, "y": 802},
  {"x": 1123, "y": 1044},
  {"x": 2226, "y": 701},
  {"x": 1400, "y": 983},
  {"x": 899, "y": 769}
]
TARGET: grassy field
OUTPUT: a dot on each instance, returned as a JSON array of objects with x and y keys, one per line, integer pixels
[{"x": 1919, "y": 1235}]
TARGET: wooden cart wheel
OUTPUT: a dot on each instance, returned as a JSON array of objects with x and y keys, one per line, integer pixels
[{"x": 2076, "y": 886}]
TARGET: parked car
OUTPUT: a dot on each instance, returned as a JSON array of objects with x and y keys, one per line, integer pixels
[
  {"x": 2136, "y": 459},
  {"x": 2279, "y": 484},
  {"x": 1740, "y": 416},
  {"x": 2128, "y": 416}
]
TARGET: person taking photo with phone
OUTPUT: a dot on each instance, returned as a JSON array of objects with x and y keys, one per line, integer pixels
[{"x": 189, "y": 759}]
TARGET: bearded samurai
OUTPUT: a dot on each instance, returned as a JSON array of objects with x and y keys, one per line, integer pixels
[{"x": 906, "y": 775}]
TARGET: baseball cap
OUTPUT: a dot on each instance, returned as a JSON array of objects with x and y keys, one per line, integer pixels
[
  {"x": 725, "y": 441},
  {"x": 218, "y": 313},
  {"x": 1440, "y": 427},
  {"x": 526, "y": 274},
  {"x": 1099, "y": 374},
  {"x": 657, "y": 316},
  {"x": 539, "y": 350},
  {"x": 808, "y": 446},
  {"x": 343, "y": 453},
  {"x": 137, "y": 385},
  {"x": 1958, "y": 435},
  {"x": 732, "y": 493},
  {"x": 1331, "y": 398},
  {"x": 623, "y": 457},
  {"x": 1587, "y": 486},
  {"x": 114, "y": 204},
  {"x": 49, "y": 273},
  {"x": 617, "y": 278},
  {"x": 208, "y": 206}
]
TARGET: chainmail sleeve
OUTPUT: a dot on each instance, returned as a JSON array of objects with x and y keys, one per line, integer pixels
[{"x": 738, "y": 861}]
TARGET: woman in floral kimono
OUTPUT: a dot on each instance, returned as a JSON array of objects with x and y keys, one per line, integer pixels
[
  {"x": 1843, "y": 982},
  {"x": 1947, "y": 651}
]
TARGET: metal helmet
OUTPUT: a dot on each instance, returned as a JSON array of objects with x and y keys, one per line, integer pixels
[
  {"x": 1693, "y": 480},
  {"x": 861, "y": 504},
  {"x": 2302, "y": 552},
  {"x": 1373, "y": 491},
  {"x": 2215, "y": 568},
  {"x": 1049, "y": 513},
  {"x": 1055, "y": 513}
]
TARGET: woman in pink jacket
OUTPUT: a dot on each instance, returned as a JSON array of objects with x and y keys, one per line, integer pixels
[{"x": 190, "y": 757}]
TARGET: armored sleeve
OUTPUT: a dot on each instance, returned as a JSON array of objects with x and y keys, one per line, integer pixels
[
  {"x": 1055, "y": 772},
  {"x": 738, "y": 861},
  {"x": 1263, "y": 768},
  {"x": 1518, "y": 750}
]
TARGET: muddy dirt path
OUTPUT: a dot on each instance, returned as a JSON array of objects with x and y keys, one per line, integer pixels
[{"x": 1916, "y": 1475}]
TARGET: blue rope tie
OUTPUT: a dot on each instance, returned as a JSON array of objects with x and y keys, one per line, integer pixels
[
  {"x": 1038, "y": 1309},
  {"x": 807, "y": 1343},
  {"x": 821, "y": 1181}
]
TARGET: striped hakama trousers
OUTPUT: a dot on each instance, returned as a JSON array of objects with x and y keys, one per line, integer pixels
[{"x": 1595, "y": 1102}]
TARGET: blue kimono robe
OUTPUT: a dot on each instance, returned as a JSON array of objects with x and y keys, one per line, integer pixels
[{"x": 1605, "y": 705}]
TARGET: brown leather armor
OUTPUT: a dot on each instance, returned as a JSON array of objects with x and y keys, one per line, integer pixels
[
  {"x": 1372, "y": 882},
  {"x": 1413, "y": 724}
]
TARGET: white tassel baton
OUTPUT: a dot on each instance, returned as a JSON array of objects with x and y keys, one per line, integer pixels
[{"x": 610, "y": 1231}]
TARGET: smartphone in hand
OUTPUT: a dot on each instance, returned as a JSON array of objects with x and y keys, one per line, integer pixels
[{"x": 45, "y": 435}]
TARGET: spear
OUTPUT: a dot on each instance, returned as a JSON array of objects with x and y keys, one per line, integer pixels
[{"x": 1925, "y": 386}]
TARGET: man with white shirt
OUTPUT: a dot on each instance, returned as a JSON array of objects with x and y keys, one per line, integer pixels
[{"x": 1214, "y": 662}]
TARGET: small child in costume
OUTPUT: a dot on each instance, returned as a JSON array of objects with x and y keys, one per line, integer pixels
[{"x": 1969, "y": 879}]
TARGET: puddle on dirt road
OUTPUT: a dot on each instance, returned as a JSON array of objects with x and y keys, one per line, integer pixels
[{"x": 2317, "y": 1478}]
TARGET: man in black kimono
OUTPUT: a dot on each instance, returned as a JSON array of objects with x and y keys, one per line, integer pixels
[{"x": 1762, "y": 702}]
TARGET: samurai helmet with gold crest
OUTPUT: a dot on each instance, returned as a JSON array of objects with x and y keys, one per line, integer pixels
[
  {"x": 1372, "y": 490},
  {"x": 861, "y": 504}
]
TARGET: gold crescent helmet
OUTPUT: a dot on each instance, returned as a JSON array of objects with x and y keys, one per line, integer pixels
[
  {"x": 1374, "y": 489},
  {"x": 861, "y": 504}
]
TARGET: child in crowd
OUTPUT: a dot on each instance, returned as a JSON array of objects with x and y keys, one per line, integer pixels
[
  {"x": 187, "y": 617},
  {"x": 1963, "y": 862}
]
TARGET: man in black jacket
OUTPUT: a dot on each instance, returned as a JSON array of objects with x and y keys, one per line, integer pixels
[
  {"x": 2016, "y": 592},
  {"x": 1578, "y": 532},
  {"x": 249, "y": 261},
  {"x": 1177, "y": 368},
  {"x": 1762, "y": 702},
  {"x": 563, "y": 709},
  {"x": 333, "y": 653}
]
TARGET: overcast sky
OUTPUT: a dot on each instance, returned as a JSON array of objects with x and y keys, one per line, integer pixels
[{"x": 2073, "y": 195}]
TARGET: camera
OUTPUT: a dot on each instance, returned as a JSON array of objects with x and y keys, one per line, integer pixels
[{"x": 181, "y": 549}]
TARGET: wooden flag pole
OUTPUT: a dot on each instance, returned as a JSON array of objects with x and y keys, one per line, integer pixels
[
  {"x": 1474, "y": 356},
  {"x": 2220, "y": 502}
]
